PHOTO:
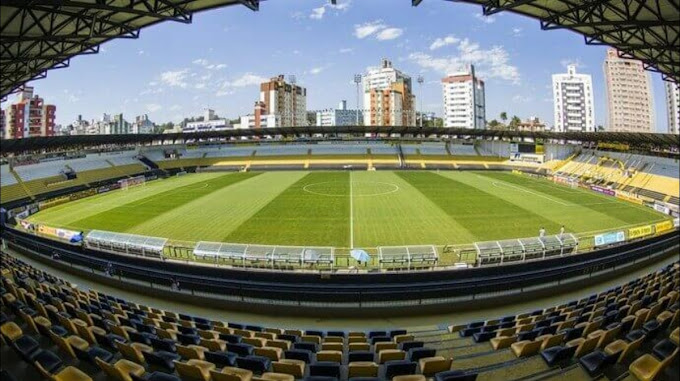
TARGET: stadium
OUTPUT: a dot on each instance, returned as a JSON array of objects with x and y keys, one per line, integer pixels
[{"x": 360, "y": 253}]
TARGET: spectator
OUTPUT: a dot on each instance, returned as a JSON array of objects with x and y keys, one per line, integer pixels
[
  {"x": 541, "y": 232},
  {"x": 561, "y": 231}
]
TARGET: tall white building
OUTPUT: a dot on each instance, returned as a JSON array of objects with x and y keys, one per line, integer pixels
[
  {"x": 388, "y": 97},
  {"x": 573, "y": 101},
  {"x": 673, "y": 107},
  {"x": 340, "y": 116},
  {"x": 464, "y": 100},
  {"x": 629, "y": 95}
]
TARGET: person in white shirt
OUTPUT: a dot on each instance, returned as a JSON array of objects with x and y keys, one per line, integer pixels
[{"x": 541, "y": 233}]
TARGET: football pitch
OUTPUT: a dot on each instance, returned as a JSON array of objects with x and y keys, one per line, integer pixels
[{"x": 348, "y": 209}]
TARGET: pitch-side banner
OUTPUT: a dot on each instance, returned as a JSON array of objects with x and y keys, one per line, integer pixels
[
  {"x": 640, "y": 231},
  {"x": 663, "y": 226},
  {"x": 602, "y": 190},
  {"x": 609, "y": 238},
  {"x": 66, "y": 235}
]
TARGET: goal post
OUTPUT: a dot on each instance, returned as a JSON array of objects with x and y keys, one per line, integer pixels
[{"x": 136, "y": 181}]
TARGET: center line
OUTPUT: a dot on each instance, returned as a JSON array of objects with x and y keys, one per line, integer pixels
[{"x": 351, "y": 213}]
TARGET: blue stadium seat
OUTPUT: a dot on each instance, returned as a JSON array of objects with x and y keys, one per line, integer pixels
[
  {"x": 399, "y": 368},
  {"x": 325, "y": 368}
]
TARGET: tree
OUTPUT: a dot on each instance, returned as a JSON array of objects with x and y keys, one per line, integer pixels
[
  {"x": 504, "y": 116},
  {"x": 600, "y": 127},
  {"x": 514, "y": 122},
  {"x": 494, "y": 124}
]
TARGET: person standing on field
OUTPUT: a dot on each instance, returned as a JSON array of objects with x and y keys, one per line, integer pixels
[{"x": 541, "y": 232}]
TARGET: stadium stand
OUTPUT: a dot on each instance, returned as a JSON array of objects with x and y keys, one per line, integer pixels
[
  {"x": 41, "y": 178},
  {"x": 463, "y": 150},
  {"x": 65, "y": 333},
  {"x": 339, "y": 149},
  {"x": 653, "y": 177},
  {"x": 6, "y": 176},
  {"x": 282, "y": 150}
]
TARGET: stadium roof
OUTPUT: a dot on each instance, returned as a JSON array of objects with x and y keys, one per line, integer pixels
[
  {"x": 641, "y": 140},
  {"x": 37, "y": 35},
  {"x": 648, "y": 30},
  {"x": 40, "y": 35}
]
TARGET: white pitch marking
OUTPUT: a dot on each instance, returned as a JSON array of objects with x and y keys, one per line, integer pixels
[
  {"x": 395, "y": 188},
  {"x": 496, "y": 184}
]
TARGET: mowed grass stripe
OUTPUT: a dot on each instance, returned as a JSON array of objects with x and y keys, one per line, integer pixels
[
  {"x": 300, "y": 217},
  {"x": 486, "y": 216},
  {"x": 65, "y": 214},
  {"x": 401, "y": 216},
  {"x": 552, "y": 208},
  {"x": 213, "y": 216},
  {"x": 610, "y": 206},
  {"x": 126, "y": 217}
]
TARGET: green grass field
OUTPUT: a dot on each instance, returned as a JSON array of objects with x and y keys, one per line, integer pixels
[{"x": 348, "y": 209}]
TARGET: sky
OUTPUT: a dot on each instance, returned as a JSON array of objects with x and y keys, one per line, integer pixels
[{"x": 176, "y": 70}]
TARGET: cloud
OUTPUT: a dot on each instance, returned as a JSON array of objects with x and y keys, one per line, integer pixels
[
  {"x": 316, "y": 70},
  {"x": 223, "y": 92},
  {"x": 345, "y": 50},
  {"x": 140, "y": 52},
  {"x": 484, "y": 19},
  {"x": 175, "y": 107},
  {"x": 199, "y": 86},
  {"x": 377, "y": 28},
  {"x": 247, "y": 79},
  {"x": 364, "y": 30},
  {"x": 175, "y": 78},
  {"x": 490, "y": 63},
  {"x": 517, "y": 32},
  {"x": 573, "y": 61},
  {"x": 297, "y": 15},
  {"x": 317, "y": 13},
  {"x": 389, "y": 34},
  {"x": 521, "y": 99},
  {"x": 153, "y": 107},
  {"x": 206, "y": 64},
  {"x": 444, "y": 41}
]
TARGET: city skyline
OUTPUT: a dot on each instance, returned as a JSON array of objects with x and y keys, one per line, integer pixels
[{"x": 324, "y": 49}]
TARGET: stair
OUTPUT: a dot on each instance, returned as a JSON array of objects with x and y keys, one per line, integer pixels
[
  {"x": 148, "y": 162},
  {"x": 400, "y": 155},
  {"x": 123, "y": 174},
  {"x": 565, "y": 162},
  {"x": 21, "y": 183},
  {"x": 477, "y": 150}
]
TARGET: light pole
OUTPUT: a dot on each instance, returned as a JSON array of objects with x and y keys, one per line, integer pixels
[
  {"x": 420, "y": 83},
  {"x": 357, "y": 82}
]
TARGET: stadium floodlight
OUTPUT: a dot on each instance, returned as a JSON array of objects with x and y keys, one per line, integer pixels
[{"x": 357, "y": 82}]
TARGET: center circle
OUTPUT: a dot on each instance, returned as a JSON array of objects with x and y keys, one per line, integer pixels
[{"x": 359, "y": 188}]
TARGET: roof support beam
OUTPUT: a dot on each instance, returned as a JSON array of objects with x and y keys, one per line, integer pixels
[
  {"x": 253, "y": 5},
  {"x": 494, "y": 6}
]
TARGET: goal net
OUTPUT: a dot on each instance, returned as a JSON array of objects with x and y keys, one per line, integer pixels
[{"x": 132, "y": 182}]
